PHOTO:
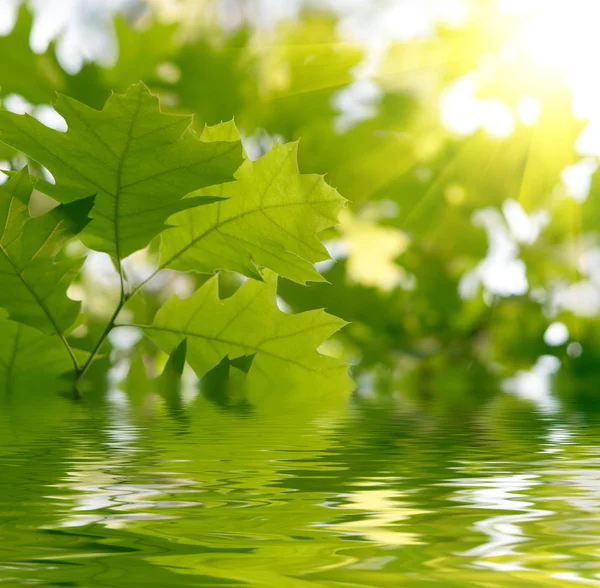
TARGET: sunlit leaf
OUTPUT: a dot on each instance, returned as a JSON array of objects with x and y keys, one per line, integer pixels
[
  {"x": 33, "y": 281},
  {"x": 137, "y": 161},
  {"x": 29, "y": 359},
  {"x": 270, "y": 218},
  {"x": 249, "y": 323}
]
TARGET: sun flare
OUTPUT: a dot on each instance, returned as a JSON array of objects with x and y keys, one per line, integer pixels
[
  {"x": 558, "y": 35},
  {"x": 537, "y": 64},
  {"x": 553, "y": 45}
]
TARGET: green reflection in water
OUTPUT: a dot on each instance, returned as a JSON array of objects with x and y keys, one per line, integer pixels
[{"x": 352, "y": 493}]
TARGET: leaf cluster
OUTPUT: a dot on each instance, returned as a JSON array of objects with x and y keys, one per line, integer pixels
[
  {"x": 129, "y": 175},
  {"x": 395, "y": 159}
]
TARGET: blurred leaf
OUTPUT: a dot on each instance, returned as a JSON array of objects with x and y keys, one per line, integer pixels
[
  {"x": 35, "y": 77},
  {"x": 300, "y": 70},
  {"x": 138, "y": 385},
  {"x": 225, "y": 68}
]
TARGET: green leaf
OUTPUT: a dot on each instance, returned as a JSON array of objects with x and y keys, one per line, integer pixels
[
  {"x": 28, "y": 358},
  {"x": 33, "y": 283},
  {"x": 270, "y": 218},
  {"x": 249, "y": 323},
  {"x": 138, "y": 162},
  {"x": 225, "y": 131}
]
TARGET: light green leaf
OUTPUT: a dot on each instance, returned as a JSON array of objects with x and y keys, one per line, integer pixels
[
  {"x": 249, "y": 323},
  {"x": 137, "y": 161},
  {"x": 33, "y": 283},
  {"x": 270, "y": 218},
  {"x": 30, "y": 359},
  {"x": 225, "y": 131}
]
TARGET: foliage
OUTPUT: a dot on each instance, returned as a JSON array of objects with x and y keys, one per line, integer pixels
[
  {"x": 30, "y": 360},
  {"x": 429, "y": 204},
  {"x": 137, "y": 162},
  {"x": 270, "y": 203},
  {"x": 250, "y": 324},
  {"x": 129, "y": 167},
  {"x": 35, "y": 282}
]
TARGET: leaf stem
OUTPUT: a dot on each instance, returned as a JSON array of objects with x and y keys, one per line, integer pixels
[
  {"x": 148, "y": 279},
  {"x": 121, "y": 280},
  {"x": 109, "y": 327},
  {"x": 111, "y": 323},
  {"x": 70, "y": 352},
  {"x": 124, "y": 295}
]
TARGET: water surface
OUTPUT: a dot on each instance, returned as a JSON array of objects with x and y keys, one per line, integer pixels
[{"x": 334, "y": 493}]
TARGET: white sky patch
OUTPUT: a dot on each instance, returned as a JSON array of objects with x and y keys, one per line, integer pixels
[
  {"x": 535, "y": 384},
  {"x": 529, "y": 110},
  {"x": 460, "y": 111},
  {"x": 463, "y": 113},
  {"x": 588, "y": 142},
  {"x": 83, "y": 28},
  {"x": 125, "y": 337},
  {"x": 556, "y": 334},
  {"x": 48, "y": 116},
  {"x": 581, "y": 298},
  {"x": 589, "y": 264},
  {"x": 525, "y": 228},
  {"x": 4, "y": 164},
  {"x": 497, "y": 118},
  {"x": 139, "y": 266},
  {"x": 501, "y": 272},
  {"x": 355, "y": 103},
  {"x": 259, "y": 13},
  {"x": 577, "y": 178},
  {"x": 100, "y": 267},
  {"x": 394, "y": 20},
  {"x": 8, "y": 15},
  {"x": 17, "y": 104}
]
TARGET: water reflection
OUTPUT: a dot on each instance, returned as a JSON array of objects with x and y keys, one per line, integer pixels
[
  {"x": 508, "y": 495},
  {"x": 383, "y": 513},
  {"x": 361, "y": 493}
]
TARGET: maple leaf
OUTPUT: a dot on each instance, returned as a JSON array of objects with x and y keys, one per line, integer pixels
[
  {"x": 29, "y": 359},
  {"x": 34, "y": 279},
  {"x": 249, "y": 323},
  {"x": 136, "y": 160},
  {"x": 270, "y": 217}
]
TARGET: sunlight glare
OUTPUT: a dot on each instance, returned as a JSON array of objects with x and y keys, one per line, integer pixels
[
  {"x": 559, "y": 35},
  {"x": 529, "y": 110}
]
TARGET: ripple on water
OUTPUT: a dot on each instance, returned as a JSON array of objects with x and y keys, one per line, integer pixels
[{"x": 322, "y": 495}]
